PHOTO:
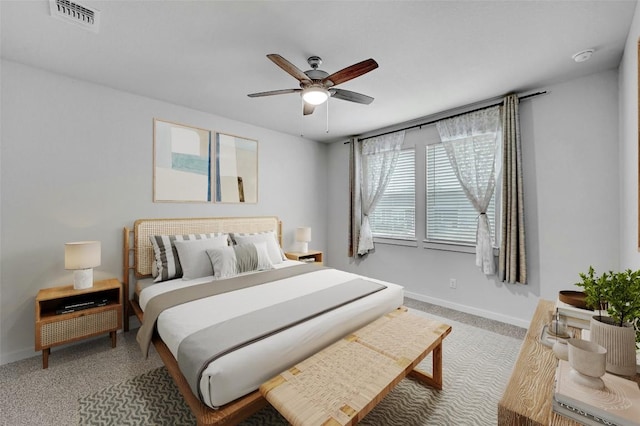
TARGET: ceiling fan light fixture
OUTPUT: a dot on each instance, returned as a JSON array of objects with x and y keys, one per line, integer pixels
[
  {"x": 317, "y": 86},
  {"x": 315, "y": 95}
]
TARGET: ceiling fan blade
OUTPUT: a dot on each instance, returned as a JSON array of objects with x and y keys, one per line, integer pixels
[
  {"x": 273, "y": 92},
  {"x": 346, "y": 74},
  {"x": 288, "y": 67},
  {"x": 347, "y": 95},
  {"x": 307, "y": 108}
]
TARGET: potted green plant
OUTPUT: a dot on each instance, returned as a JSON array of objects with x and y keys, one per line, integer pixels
[
  {"x": 594, "y": 290},
  {"x": 617, "y": 293}
]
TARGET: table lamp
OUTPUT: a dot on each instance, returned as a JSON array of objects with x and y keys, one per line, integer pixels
[
  {"x": 82, "y": 257},
  {"x": 303, "y": 236}
]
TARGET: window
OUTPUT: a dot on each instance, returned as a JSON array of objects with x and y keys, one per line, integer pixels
[
  {"x": 451, "y": 218},
  {"x": 395, "y": 214}
]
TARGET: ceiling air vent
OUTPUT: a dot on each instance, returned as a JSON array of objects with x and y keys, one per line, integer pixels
[{"x": 69, "y": 11}]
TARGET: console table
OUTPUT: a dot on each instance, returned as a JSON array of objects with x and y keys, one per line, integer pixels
[{"x": 528, "y": 396}]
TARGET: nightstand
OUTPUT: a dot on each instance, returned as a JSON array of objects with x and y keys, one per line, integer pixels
[
  {"x": 64, "y": 315},
  {"x": 312, "y": 256}
]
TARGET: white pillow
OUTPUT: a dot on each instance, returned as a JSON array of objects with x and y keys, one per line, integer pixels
[
  {"x": 193, "y": 256},
  {"x": 273, "y": 248},
  {"x": 230, "y": 261}
]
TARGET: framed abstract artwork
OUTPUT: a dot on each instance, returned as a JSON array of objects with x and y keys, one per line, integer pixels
[
  {"x": 182, "y": 169},
  {"x": 236, "y": 169}
]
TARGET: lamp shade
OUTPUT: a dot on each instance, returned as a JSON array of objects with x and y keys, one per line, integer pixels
[
  {"x": 315, "y": 95},
  {"x": 82, "y": 255},
  {"x": 303, "y": 234}
]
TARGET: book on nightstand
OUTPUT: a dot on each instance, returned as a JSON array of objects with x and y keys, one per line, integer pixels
[{"x": 617, "y": 404}]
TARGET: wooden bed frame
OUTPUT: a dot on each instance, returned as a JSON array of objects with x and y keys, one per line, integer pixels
[{"x": 137, "y": 262}]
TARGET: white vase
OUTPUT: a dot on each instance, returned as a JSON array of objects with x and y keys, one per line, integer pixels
[
  {"x": 588, "y": 361},
  {"x": 620, "y": 343},
  {"x": 561, "y": 350}
]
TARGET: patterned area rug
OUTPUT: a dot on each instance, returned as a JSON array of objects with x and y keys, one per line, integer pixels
[{"x": 477, "y": 364}]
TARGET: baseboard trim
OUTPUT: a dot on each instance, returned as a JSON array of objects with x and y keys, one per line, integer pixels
[
  {"x": 18, "y": 356},
  {"x": 30, "y": 352},
  {"x": 468, "y": 309}
]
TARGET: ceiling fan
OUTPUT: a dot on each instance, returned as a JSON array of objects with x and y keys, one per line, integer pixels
[{"x": 316, "y": 85}]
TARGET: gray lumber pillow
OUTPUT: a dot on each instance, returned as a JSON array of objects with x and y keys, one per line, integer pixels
[{"x": 233, "y": 260}]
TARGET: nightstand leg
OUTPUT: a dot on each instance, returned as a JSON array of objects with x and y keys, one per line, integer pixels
[
  {"x": 45, "y": 358},
  {"x": 113, "y": 335},
  {"x": 125, "y": 314}
]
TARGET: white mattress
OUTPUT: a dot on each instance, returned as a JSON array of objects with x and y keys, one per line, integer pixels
[{"x": 243, "y": 370}]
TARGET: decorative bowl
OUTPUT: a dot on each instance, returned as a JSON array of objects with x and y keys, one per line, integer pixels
[
  {"x": 588, "y": 362},
  {"x": 573, "y": 298}
]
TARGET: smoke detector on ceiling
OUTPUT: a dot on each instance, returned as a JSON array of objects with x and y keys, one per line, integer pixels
[
  {"x": 69, "y": 11},
  {"x": 582, "y": 56}
]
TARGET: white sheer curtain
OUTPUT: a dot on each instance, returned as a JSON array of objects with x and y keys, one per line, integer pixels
[
  {"x": 379, "y": 156},
  {"x": 471, "y": 142}
]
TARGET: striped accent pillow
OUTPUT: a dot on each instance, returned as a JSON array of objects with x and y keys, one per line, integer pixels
[
  {"x": 230, "y": 261},
  {"x": 166, "y": 254}
]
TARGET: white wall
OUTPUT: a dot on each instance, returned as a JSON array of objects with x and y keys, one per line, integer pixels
[
  {"x": 628, "y": 90},
  {"x": 77, "y": 164},
  {"x": 570, "y": 155}
]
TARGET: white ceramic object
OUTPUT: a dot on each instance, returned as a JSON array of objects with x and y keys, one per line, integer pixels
[
  {"x": 588, "y": 362},
  {"x": 561, "y": 349},
  {"x": 82, "y": 278},
  {"x": 620, "y": 343}
]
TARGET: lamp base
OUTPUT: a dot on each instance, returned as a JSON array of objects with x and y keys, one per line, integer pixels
[
  {"x": 304, "y": 247},
  {"x": 82, "y": 279}
]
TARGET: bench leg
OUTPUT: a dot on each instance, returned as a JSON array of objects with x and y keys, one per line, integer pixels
[{"x": 434, "y": 380}]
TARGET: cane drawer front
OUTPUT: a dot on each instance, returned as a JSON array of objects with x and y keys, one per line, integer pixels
[{"x": 74, "y": 327}]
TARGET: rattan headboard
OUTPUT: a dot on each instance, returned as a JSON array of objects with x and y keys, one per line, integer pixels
[
  {"x": 145, "y": 228},
  {"x": 138, "y": 257}
]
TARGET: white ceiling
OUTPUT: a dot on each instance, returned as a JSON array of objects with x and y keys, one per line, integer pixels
[{"x": 433, "y": 55}]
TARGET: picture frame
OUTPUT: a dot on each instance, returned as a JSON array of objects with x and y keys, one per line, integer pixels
[
  {"x": 182, "y": 169},
  {"x": 236, "y": 169}
]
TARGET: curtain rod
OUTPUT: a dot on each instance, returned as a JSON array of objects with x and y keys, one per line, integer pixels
[{"x": 414, "y": 126}]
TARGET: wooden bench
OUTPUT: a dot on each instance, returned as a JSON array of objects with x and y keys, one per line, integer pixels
[{"x": 342, "y": 383}]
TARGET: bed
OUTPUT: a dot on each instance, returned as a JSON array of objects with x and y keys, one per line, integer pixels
[{"x": 224, "y": 391}]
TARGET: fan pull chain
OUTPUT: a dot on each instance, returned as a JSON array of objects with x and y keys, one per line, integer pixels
[
  {"x": 302, "y": 120},
  {"x": 327, "y": 130}
]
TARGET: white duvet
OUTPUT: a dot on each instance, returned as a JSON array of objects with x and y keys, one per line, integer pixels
[{"x": 242, "y": 371}]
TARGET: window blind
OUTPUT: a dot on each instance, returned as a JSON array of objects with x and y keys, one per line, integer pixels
[
  {"x": 450, "y": 215},
  {"x": 395, "y": 214}
]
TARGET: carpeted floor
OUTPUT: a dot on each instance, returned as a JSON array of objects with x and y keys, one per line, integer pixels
[{"x": 90, "y": 383}]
